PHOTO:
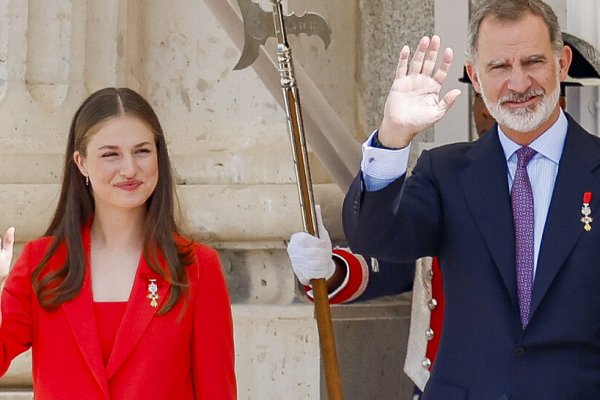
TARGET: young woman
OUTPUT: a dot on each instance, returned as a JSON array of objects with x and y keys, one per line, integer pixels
[{"x": 114, "y": 302}]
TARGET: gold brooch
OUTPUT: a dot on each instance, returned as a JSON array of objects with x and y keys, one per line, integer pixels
[{"x": 152, "y": 295}]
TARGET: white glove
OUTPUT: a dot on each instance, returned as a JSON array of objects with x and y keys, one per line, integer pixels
[{"x": 311, "y": 256}]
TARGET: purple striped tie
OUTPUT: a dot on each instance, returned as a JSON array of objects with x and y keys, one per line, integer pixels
[{"x": 522, "y": 208}]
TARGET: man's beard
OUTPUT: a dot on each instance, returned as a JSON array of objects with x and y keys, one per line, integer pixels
[{"x": 524, "y": 119}]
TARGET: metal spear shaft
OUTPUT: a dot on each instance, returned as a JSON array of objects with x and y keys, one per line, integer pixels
[{"x": 307, "y": 202}]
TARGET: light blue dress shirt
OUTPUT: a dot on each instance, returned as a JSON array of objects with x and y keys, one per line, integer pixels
[{"x": 380, "y": 167}]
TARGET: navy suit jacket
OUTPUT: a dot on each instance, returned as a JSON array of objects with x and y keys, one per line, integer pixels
[{"x": 456, "y": 206}]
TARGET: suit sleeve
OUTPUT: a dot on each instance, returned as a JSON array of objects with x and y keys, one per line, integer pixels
[
  {"x": 16, "y": 311},
  {"x": 390, "y": 279},
  {"x": 213, "y": 347},
  {"x": 399, "y": 223}
]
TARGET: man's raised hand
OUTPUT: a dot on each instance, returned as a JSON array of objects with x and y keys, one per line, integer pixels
[{"x": 414, "y": 103}]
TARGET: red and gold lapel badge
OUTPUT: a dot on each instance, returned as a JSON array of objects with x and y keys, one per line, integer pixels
[
  {"x": 587, "y": 211},
  {"x": 152, "y": 292}
]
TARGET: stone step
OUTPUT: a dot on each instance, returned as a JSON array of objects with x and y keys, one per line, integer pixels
[
  {"x": 214, "y": 213},
  {"x": 18, "y": 376},
  {"x": 16, "y": 395}
]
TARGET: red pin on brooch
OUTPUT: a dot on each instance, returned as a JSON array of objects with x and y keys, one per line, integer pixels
[{"x": 587, "y": 211}]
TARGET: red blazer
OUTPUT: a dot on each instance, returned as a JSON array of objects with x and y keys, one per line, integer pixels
[{"x": 185, "y": 354}]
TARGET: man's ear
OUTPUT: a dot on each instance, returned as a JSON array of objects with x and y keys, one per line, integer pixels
[
  {"x": 566, "y": 56},
  {"x": 472, "y": 72}
]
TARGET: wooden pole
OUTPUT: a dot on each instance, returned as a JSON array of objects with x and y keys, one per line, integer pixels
[{"x": 307, "y": 203}]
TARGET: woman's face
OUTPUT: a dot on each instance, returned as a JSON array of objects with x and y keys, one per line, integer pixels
[{"x": 121, "y": 163}]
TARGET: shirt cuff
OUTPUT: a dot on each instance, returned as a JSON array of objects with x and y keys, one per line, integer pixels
[{"x": 380, "y": 167}]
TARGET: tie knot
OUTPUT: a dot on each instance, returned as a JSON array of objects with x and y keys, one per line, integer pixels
[{"x": 524, "y": 155}]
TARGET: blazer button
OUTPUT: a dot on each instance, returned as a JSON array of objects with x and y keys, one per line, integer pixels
[
  {"x": 503, "y": 397},
  {"x": 355, "y": 205}
]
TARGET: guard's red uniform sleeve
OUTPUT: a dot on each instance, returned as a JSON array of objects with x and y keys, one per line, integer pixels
[{"x": 356, "y": 280}]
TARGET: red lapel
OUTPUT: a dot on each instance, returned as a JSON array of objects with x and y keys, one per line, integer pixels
[
  {"x": 82, "y": 321},
  {"x": 137, "y": 317}
]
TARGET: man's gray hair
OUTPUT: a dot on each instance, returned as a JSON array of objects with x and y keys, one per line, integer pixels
[{"x": 512, "y": 11}]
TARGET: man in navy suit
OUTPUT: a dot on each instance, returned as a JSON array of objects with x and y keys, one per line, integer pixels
[{"x": 509, "y": 217}]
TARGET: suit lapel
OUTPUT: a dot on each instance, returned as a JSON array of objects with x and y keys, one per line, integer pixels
[
  {"x": 581, "y": 155},
  {"x": 485, "y": 187},
  {"x": 81, "y": 319},
  {"x": 137, "y": 317}
]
